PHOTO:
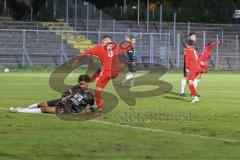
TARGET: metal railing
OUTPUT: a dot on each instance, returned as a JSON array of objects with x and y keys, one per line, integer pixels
[
  {"x": 223, "y": 57},
  {"x": 46, "y": 47},
  {"x": 50, "y": 47}
]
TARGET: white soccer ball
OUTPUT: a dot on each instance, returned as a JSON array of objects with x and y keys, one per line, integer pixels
[{"x": 6, "y": 70}]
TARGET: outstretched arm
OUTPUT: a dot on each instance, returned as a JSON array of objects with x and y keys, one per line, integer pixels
[
  {"x": 125, "y": 46},
  {"x": 92, "y": 51},
  {"x": 209, "y": 47},
  {"x": 206, "y": 51}
]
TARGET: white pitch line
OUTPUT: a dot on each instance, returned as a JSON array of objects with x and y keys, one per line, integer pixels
[
  {"x": 167, "y": 132},
  {"x": 220, "y": 91},
  {"x": 159, "y": 130},
  {"x": 4, "y": 109}
]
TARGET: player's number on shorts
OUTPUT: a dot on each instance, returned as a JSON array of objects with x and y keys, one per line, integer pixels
[{"x": 110, "y": 50}]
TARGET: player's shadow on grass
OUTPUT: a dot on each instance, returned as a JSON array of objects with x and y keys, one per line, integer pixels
[
  {"x": 174, "y": 93},
  {"x": 178, "y": 94},
  {"x": 176, "y": 98}
]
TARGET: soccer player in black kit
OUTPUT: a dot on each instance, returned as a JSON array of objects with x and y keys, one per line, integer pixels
[
  {"x": 74, "y": 100},
  {"x": 131, "y": 62}
]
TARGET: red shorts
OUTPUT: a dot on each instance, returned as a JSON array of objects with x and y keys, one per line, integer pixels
[
  {"x": 192, "y": 75},
  {"x": 204, "y": 66},
  {"x": 105, "y": 77}
]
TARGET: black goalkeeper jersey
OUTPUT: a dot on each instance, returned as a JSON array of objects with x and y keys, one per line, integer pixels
[
  {"x": 77, "y": 99},
  {"x": 131, "y": 55}
]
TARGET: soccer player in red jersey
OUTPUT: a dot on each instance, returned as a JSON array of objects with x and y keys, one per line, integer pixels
[
  {"x": 107, "y": 52},
  {"x": 193, "y": 68},
  {"x": 192, "y": 38}
]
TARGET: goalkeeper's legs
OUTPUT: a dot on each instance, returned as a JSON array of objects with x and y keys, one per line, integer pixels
[
  {"x": 32, "y": 106},
  {"x": 45, "y": 108},
  {"x": 25, "y": 110},
  {"x": 35, "y": 108}
]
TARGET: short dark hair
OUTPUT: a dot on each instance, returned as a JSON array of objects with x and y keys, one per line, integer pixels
[
  {"x": 190, "y": 34},
  {"x": 84, "y": 77},
  {"x": 106, "y": 36}
]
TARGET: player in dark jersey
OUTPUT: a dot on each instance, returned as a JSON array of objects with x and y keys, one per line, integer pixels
[
  {"x": 74, "y": 100},
  {"x": 131, "y": 62}
]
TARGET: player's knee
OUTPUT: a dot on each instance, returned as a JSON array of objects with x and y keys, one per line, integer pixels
[
  {"x": 41, "y": 105},
  {"x": 44, "y": 109},
  {"x": 99, "y": 89},
  {"x": 190, "y": 82}
]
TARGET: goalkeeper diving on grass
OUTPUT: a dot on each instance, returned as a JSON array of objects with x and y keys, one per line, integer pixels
[{"x": 73, "y": 100}]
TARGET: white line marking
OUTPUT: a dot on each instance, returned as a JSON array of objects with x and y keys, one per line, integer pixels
[
  {"x": 157, "y": 130},
  {"x": 4, "y": 108},
  {"x": 168, "y": 132},
  {"x": 221, "y": 91}
]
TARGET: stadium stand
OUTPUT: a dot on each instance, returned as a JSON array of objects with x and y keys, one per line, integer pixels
[
  {"x": 228, "y": 59},
  {"x": 42, "y": 47},
  {"x": 48, "y": 44},
  {"x": 77, "y": 40}
]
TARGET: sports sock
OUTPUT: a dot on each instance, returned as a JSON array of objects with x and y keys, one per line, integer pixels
[
  {"x": 193, "y": 90},
  {"x": 32, "y": 106},
  {"x": 27, "y": 110},
  {"x": 183, "y": 84},
  {"x": 98, "y": 96},
  {"x": 196, "y": 81}
]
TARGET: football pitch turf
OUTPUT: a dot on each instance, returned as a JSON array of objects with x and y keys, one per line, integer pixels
[{"x": 207, "y": 130}]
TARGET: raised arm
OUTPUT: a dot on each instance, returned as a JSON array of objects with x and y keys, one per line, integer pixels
[
  {"x": 124, "y": 46},
  {"x": 209, "y": 47},
  {"x": 89, "y": 52},
  {"x": 206, "y": 51}
]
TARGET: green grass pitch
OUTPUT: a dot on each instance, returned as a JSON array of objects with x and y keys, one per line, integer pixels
[{"x": 212, "y": 133}]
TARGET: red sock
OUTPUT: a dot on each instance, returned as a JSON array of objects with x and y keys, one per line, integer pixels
[
  {"x": 98, "y": 98},
  {"x": 193, "y": 90}
]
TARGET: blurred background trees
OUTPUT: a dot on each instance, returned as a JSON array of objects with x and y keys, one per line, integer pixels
[{"x": 208, "y": 11}]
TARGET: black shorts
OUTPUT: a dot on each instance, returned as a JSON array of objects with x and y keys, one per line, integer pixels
[
  {"x": 53, "y": 103},
  {"x": 57, "y": 103},
  {"x": 131, "y": 67}
]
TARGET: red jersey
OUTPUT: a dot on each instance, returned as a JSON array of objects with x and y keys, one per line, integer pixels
[
  {"x": 108, "y": 55},
  {"x": 206, "y": 51},
  {"x": 192, "y": 59},
  {"x": 206, "y": 56}
]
